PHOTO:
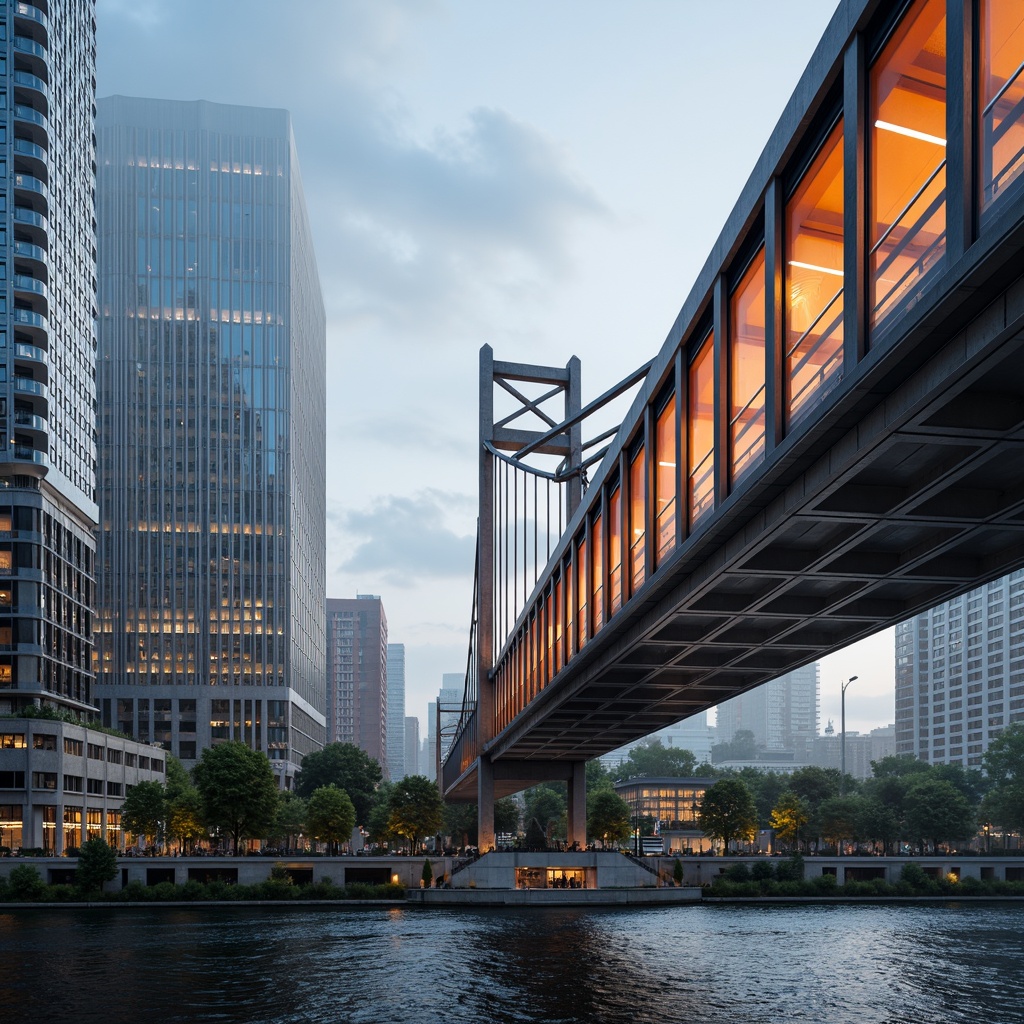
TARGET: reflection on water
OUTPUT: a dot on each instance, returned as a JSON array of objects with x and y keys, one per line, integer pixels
[{"x": 710, "y": 964}]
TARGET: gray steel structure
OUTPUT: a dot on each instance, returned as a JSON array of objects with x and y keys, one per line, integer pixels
[
  {"x": 48, "y": 512},
  {"x": 895, "y": 487},
  {"x": 212, "y": 409}
]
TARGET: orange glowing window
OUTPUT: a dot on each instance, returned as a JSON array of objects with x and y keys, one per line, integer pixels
[
  {"x": 581, "y": 592},
  {"x": 665, "y": 436},
  {"x": 549, "y": 622},
  {"x": 700, "y": 430},
  {"x": 615, "y": 551},
  {"x": 907, "y": 165},
  {"x": 569, "y": 607},
  {"x": 559, "y": 662},
  {"x": 814, "y": 281},
  {"x": 596, "y": 575},
  {"x": 1001, "y": 96},
  {"x": 637, "y": 513},
  {"x": 747, "y": 370}
]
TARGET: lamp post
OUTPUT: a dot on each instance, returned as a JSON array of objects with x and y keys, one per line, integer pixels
[{"x": 842, "y": 734}]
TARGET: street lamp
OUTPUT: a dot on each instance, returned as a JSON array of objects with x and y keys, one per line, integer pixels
[{"x": 842, "y": 734}]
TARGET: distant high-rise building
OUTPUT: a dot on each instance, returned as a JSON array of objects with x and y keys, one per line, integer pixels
[
  {"x": 429, "y": 753},
  {"x": 412, "y": 746},
  {"x": 960, "y": 674},
  {"x": 212, "y": 408},
  {"x": 449, "y": 700},
  {"x": 692, "y": 734},
  {"x": 782, "y": 714},
  {"x": 396, "y": 711},
  {"x": 357, "y": 658}
]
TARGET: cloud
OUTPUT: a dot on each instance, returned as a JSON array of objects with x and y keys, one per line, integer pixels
[
  {"x": 411, "y": 226},
  {"x": 402, "y": 540}
]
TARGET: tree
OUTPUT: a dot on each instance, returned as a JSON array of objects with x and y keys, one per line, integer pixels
[
  {"x": 546, "y": 803},
  {"x": 937, "y": 811},
  {"x": 742, "y": 747},
  {"x": 506, "y": 816},
  {"x": 237, "y": 791},
  {"x": 837, "y": 818},
  {"x": 331, "y": 816},
  {"x": 879, "y": 823},
  {"x": 598, "y": 777},
  {"x": 97, "y": 863},
  {"x": 607, "y": 816},
  {"x": 789, "y": 818},
  {"x": 815, "y": 785},
  {"x": 289, "y": 820},
  {"x": 766, "y": 789},
  {"x": 414, "y": 809},
  {"x": 349, "y": 768},
  {"x": 144, "y": 810},
  {"x": 651, "y": 759},
  {"x": 727, "y": 812},
  {"x": 185, "y": 819},
  {"x": 378, "y": 822},
  {"x": 460, "y": 822}
]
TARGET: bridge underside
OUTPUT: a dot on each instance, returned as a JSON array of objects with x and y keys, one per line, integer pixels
[{"x": 915, "y": 494}]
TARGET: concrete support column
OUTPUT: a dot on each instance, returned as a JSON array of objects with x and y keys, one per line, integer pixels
[
  {"x": 577, "y": 811},
  {"x": 485, "y": 804}
]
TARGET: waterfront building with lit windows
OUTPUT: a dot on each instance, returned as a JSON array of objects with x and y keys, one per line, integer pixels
[
  {"x": 960, "y": 674},
  {"x": 211, "y": 422},
  {"x": 357, "y": 674},
  {"x": 674, "y": 807}
]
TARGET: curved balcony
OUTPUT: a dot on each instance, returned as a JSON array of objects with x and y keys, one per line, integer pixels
[
  {"x": 26, "y": 453},
  {"x": 33, "y": 324},
  {"x": 37, "y": 88},
  {"x": 30, "y": 46},
  {"x": 35, "y": 156},
  {"x": 33, "y": 192},
  {"x": 35, "y": 255},
  {"x": 33, "y": 360},
  {"x": 31, "y": 286},
  {"x": 32, "y": 13},
  {"x": 28, "y": 421},
  {"x": 30, "y": 124},
  {"x": 34, "y": 222}
]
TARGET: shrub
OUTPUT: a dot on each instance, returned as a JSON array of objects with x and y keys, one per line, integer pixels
[
  {"x": 25, "y": 884},
  {"x": 737, "y": 873},
  {"x": 824, "y": 885},
  {"x": 971, "y": 886},
  {"x": 164, "y": 892},
  {"x": 914, "y": 877},
  {"x": 762, "y": 871},
  {"x": 61, "y": 894},
  {"x": 279, "y": 873},
  {"x": 277, "y": 889},
  {"x": 791, "y": 869},
  {"x": 324, "y": 890}
]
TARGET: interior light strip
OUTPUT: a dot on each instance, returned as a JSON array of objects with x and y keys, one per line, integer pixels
[
  {"x": 910, "y": 133},
  {"x": 812, "y": 266}
]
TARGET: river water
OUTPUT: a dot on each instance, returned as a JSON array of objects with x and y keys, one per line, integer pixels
[{"x": 711, "y": 964}]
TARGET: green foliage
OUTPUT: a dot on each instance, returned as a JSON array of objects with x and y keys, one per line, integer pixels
[
  {"x": 97, "y": 863},
  {"x": 937, "y": 811},
  {"x": 460, "y": 822},
  {"x": 598, "y": 777},
  {"x": 762, "y": 870},
  {"x": 427, "y": 874},
  {"x": 677, "y": 872},
  {"x": 331, "y": 816},
  {"x": 741, "y": 747},
  {"x": 535, "y": 837},
  {"x": 347, "y": 767},
  {"x": 289, "y": 819},
  {"x": 789, "y": 818},
  {"x": 547, "y": 804},
  {"x": 506, "y": 816},
  {"x": 727, "y": 812},
  {"x": 607, "y": 816},
  {"x": 790, "y": 869},
  {"x": 144, "y": 810},
  {"x": 414, "y": 808},
  {"x": 837, "y": 818},
  {"x": 237, "y": 791},
  {"x": 651, "y": 759},
  {"x": 737, "y": 872},
  {"x": 25, "y": 884}
]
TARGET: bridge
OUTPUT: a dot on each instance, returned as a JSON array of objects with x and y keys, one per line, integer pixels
[{"x": 830, "y": 439}]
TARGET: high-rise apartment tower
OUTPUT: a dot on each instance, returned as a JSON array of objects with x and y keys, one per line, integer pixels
[
  {"x": 396, "y": 711},
  {"x": 357, "y": 674},
  {"x": 960, "y": 674},
  {"x": 211, "y": 397},
  {"x": 48, "y": 512}
]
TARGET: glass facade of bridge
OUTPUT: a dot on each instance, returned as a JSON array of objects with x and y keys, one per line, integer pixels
[{"x": 840, "y": 249}]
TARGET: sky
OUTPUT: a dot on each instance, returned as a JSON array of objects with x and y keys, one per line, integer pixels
[{"x": 543, "y": 176}]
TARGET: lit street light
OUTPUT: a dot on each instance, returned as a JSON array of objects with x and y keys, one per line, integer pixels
[{"x": 842, "y": 734}]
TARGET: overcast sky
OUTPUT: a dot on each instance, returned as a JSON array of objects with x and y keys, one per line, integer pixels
[{"x": 545, "y": 176}]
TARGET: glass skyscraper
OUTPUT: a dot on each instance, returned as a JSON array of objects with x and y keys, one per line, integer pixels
[
  {"x": 211, "y": 398},
  {"x": 47, "y": 351}
]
